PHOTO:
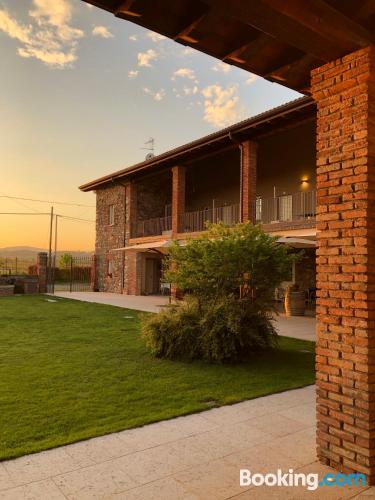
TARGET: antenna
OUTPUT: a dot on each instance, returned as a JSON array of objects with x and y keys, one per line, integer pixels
[{"x": 150, "y": 146}]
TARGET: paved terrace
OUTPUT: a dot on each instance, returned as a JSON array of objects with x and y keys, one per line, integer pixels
[
  {"x": 297, "y": 327},
  {"x": 192, "y": 457}
]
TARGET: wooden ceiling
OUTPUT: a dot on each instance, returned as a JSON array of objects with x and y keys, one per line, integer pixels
[{"x": 281, "y": 40}]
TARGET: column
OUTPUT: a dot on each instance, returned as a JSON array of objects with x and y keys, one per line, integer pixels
[
  {"x": 178, "y": 198},
  {"x": 345, "y": 356},
  {"x": 248, "y": 184},
  {"x": 42, "y": 271}
]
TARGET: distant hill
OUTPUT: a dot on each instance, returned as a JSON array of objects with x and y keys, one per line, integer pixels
[{"x": 25, "y": 252}]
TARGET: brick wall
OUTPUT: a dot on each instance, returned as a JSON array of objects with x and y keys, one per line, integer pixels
[
  {"x": 249, "y": 173},
  {"x": 178, "y": 196},
  {"x": 345, "y": 361}
]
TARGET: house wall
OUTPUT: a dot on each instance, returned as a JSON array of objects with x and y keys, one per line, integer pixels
[
  {"x": 284, "y": 159},
  {"x": 109, "y": 237},
  {"x": 153, "y": 194},
  {"x": 214, "y": 177}
]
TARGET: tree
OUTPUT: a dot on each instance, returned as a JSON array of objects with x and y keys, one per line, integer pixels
[
  {"x": 66, "y": 260},
  {"x": 229, "y": 275}
]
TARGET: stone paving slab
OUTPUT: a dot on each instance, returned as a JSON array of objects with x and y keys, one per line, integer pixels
[{"x": 196, "y": 457}]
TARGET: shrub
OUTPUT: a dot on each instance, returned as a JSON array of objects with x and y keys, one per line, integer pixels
[
  {"x": 173, "y": 332},
  {"x": 229, "y": 331},
  {"x": 230, "y": 275}
]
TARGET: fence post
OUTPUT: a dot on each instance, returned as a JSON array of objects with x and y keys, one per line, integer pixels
[
  {"x": 93, "y": 274},
  {"x": 71, "y": 274},
  {"x": 42, "y": 271}
]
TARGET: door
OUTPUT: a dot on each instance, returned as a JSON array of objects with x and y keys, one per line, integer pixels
[{"x": 152, "y": 276}]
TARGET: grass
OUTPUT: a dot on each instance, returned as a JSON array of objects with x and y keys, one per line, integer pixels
[{"x": 71, "y": 370}]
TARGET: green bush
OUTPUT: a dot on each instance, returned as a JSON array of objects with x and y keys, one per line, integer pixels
[
  {"x": 230, "y": 331},
  {"x": 173, "y": 332},
  {"x": 230, "y": 275}
]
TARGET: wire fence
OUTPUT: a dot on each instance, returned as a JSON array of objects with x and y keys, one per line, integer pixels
[{"x": 14, "y": 266}]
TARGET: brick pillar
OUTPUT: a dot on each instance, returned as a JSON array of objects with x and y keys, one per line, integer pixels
[
  {"x": 249, "y": 176},
  {"x": 42, "y": 271},
  {"x": 345, "y": 354},
  {"x": 131, "y": 210},
  {"x": 93, "y": 274},
  {"x": 178, "y": 197}
]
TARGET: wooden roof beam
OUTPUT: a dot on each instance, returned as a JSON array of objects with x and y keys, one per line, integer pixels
[
  {"x": 124, "y": 9},
  {"x": 324, "y": 20},
  {"x": 184, "y": 34},
  {"x": 277, "y": 24},
  {"x": 251, "y": 48}
]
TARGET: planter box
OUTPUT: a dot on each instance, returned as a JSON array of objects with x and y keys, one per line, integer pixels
[{"x": 6, "y": 290}]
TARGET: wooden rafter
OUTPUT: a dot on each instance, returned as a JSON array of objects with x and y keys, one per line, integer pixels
[
  {"x": 325, "y": 21},
  {"x": 184, "y": 34},
  {"x": 250, "y": 48},
  {"x": 125, "y": 8},
  {"x": 267, "y": 19}
]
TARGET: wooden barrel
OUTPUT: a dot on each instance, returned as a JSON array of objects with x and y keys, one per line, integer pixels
[{"x": 295, "y": 303}]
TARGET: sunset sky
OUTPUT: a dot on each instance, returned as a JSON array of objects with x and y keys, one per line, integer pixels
[{"x": 81, "y": 91}]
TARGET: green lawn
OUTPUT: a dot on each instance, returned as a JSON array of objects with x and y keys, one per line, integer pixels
[{"x": 71, "y": 370}]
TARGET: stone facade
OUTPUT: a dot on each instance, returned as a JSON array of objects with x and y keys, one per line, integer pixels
[
  {"x": 111, "y": 264},
  {"x": 345, "y": 94}
]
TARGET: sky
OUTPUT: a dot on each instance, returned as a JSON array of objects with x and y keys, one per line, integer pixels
[{"x": 81, "y": 92}]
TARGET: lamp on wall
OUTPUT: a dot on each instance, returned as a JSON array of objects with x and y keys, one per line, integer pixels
[{"x": 305, "y": 182}]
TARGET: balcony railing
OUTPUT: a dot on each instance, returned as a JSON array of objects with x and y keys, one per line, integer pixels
[
  {"x": 196, "y": 221},
  {"x": 287, "y": 208},
  {"x": 152, "y": 227},
  {"x": 293, "y": 207}
]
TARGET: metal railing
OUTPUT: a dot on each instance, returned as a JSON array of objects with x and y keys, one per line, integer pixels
[
  {"x": 287, "y": 208},
  {"x": 197, "y": 221},
  {"x": 152, "y": 227},
  {"x": 15, "y": 266}
]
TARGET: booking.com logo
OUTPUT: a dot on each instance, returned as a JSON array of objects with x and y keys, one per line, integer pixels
[{"x": 310, "y": 481}]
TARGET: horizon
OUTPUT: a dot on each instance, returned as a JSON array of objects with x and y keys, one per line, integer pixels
[{"x": 96, "y": 88}]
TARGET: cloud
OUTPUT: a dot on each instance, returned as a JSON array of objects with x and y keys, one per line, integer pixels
[
  {"x": 221, "y": 105},
  {"x": 133, "y": 38},
  {"x": 252, "y": 78},
  {"x": 185, "y": 73},
  {"x": 133, "y": 73},
  {"x": 48, "y": 37},
  {"x": 188, "y": 51},
  {"x": 190, "y": 90},
  {"x": 221, "y": 67},
  {"x": 155, "y": 37},
  {"x": 145, "y": 58},
  {"x": 102, "y": 31},
  {"x": 157, "y": 95}
]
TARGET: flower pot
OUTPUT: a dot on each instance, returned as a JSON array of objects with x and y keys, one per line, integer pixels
[{"x": 295, "y": 303}]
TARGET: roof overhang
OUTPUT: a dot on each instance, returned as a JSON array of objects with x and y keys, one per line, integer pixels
[
  {"x": 280, "y": 40},
  {"x": 293, "y": 112}
]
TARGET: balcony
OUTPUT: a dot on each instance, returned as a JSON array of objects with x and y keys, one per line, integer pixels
[
  {"x": 289, "y": 208},
  {"x": 152, "y": 227},
  {"x": 295, "y": 207},
  {"x": 196, "y": 221}
]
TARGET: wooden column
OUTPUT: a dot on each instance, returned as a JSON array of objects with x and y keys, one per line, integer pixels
[
  {"x": 248, "y": 181},
  {"x": 178, "y": 197},
  {"x": 345, "y": 355}
]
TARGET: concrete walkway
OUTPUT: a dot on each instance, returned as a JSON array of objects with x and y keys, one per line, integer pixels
[
  {"x": 194, "y": 457},
  {"x": 297, "y": 327},
  {"x": 150, "y": 303}
]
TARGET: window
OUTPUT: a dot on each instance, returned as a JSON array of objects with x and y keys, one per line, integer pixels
[{"x": 111, "y": 215}]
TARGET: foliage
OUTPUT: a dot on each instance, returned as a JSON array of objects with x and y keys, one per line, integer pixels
[
  {"x": 66, "y": 259},
  {"x": 231, "y": 274},
  {"x": 78, "y": 370}
]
